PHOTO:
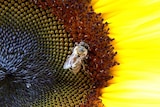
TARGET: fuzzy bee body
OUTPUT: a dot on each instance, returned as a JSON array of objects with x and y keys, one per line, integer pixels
[{"x": 76, "y": 59}]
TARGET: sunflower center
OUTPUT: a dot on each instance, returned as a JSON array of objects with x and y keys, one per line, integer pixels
[{"x": 34, "y": 46}]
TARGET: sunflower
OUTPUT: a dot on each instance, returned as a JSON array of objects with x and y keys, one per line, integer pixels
[{"x": 38, "y": 35}]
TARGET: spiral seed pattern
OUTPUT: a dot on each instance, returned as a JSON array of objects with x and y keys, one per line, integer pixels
[{"x": 33, "y": 48}]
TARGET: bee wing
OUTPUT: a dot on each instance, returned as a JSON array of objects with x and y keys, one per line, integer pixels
[
  {"x": 77, "y": 65},
  {"x": 69, "y": 62}
]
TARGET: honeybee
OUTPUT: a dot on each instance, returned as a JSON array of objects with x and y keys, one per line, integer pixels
[{"x": 75, "y": 61}]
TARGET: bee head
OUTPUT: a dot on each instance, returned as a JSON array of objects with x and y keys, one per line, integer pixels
[{"x": 82, "y": 51}]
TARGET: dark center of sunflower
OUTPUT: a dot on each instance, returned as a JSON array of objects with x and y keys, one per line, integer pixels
[{"x": 33, "y": 48}]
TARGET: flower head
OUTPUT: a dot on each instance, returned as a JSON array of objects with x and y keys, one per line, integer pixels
[{"x": 38, "y": 35}]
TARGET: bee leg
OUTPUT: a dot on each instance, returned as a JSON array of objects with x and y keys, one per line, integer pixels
[
  {"x": 70, "y": 69},
  {"x": 83, "y": 66},
  {"x": 87, "y": 57}
]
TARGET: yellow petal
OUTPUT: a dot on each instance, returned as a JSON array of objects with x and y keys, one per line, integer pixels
[{"x": 135, "y": 25}]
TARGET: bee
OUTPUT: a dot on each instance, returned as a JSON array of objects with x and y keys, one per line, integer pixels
[{"x": 75, "y": 61}]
